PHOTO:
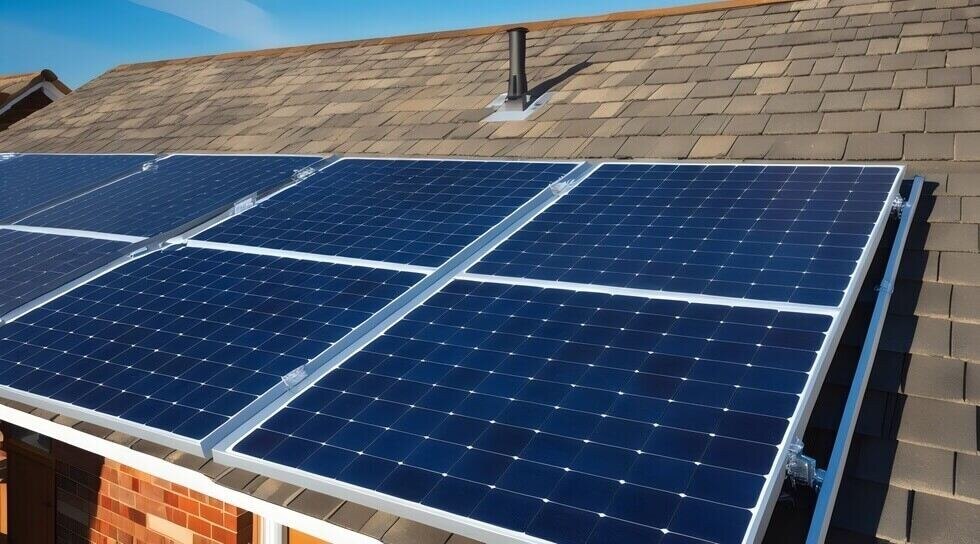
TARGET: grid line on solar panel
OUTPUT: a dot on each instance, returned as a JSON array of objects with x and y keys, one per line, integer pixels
[
  {"x": 779, "y": 233},
  {"x": 408, "y": 211},
  {"x": 182, "y": 340},
  {"x": 539, "y": 409},
  {"x": 32, "y": 180},
  {"x": 178, "y": 189},
  {"x": 32, "y": 263}
]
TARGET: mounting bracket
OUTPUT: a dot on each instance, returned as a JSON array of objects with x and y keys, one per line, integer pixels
[{"x": 802, "y": 469}]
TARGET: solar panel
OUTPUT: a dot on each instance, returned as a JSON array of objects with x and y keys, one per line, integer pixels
[
  {"x": 32, "y": 263},
  {"x": 778, "y": 233},
  {"x": 417, "y": 212},
  {"x": 176, "y": 343},
  {"x": 567, "y": 416},
  {"x": 177, "y": 190},
  {"x": 33, "y": 180}
]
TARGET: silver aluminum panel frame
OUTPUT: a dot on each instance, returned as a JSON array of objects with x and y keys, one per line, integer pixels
[{"x": 225, "y": 454}]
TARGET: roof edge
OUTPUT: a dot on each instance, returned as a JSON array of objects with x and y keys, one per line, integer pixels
[
  {"x": 468, "y": 32},
  {"x": 44, "y": 76}
]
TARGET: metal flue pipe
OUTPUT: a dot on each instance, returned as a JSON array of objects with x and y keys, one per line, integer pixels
[{"x": 517, "y": 83}]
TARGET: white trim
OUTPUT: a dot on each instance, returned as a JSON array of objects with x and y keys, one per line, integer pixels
[
  {"x": 52, "y": 91},
  {"x": 271, "y": 532},
  {"x": 191, "y": 479},
  {"x": 648, "y": 293},
  {"x": 75, "y": 233},
  {"x": 49, "y": 89},
  {"x": 303, "y": 256}
]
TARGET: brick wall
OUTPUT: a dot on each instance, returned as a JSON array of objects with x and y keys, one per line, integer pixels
[{"x": 101, "y": 501}]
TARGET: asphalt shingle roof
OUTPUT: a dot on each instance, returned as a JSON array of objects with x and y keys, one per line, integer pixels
[{"x": 816, "y": 80}]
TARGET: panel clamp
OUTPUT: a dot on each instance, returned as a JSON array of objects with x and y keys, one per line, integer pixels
[
  {"x": 303, "y": 173},
  {"x": 244, "y": 204},
  {"x": 899, "y": 205},
  {"x": 294, "y": 377},
  {"x": 886, "y": 287},
  {"x": 802, "y": 469},
  {"x": 149, "y": 166},
  {"x": 7, "y": 156},
  {"x": 559, "y": 188}
]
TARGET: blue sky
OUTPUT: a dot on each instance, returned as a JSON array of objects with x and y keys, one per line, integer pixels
[{"x": 80, "y": 39}]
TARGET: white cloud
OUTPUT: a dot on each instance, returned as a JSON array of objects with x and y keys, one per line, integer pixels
[{"x": 238, "y": 19}]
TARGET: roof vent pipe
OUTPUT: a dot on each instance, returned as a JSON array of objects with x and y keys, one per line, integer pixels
[{"x": 517, "y": 83}]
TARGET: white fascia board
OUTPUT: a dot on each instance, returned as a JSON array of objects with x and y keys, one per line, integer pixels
[
  {"x": 53, "y": 93},
  {"x": 186, "y": 477}
]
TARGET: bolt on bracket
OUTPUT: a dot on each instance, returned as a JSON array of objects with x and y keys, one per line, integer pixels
[{"x": 802, "y": 469}]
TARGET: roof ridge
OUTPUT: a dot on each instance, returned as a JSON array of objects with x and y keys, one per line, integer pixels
[{"x": 688, "y": 9}]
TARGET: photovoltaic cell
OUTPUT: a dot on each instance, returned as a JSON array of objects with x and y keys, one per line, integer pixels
[
  {"x": 32, "y": 264},
  {"x": 28, "y": 181},
  {"x": 418, "y": 212},
  {"x": 177, "y": 190},
  {"x": 181, "y": 340},
  {"x": 777, "y": 233},
  {"x": 569, "y": 416}
]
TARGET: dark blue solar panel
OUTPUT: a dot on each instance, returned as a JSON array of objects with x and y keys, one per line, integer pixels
[
  {"x": 569, "y": 416},
  {"x": 178, "y": 190},
  {"x": 29, "y": 181},
  {"x": 779, "y": 233},
  {"x": 181, "y": 340},
  {"x": 416, "y": 212},
  {"x": 32, "y": 264}
]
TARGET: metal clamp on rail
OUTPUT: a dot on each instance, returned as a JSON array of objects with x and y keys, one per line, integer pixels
[
  {"x": 150, "y": 166},
  {"x": 294, "y": 377},
  {"x": 886, "y": 287},
  {"x": 899, "y": 206},
  {"x": 802, "y": 469},
  {"x": 558, "y": 187},
  {"x": 244, "y": 204},
  {"x": 7, "y": 156},
  {"x": 303, "y": 173}
]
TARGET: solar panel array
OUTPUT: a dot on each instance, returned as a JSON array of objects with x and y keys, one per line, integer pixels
[
  {"x": 33, "y": 180},
  {"x": 181, "y": 340},
  {"x": 418, "y": 212},
  {"x": 176, "y": 190},
  {"x": 780, "y": 233},
  {"x": 33, "y": 263},
  {"x": 538, "y": 409},
  {"x": 532, "y": 398},
  {"x": 536, "y": 397}
]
